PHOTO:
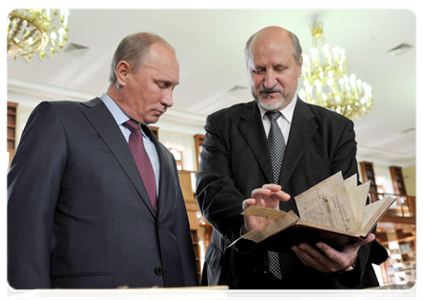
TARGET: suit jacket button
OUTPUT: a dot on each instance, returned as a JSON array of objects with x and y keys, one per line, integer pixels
[
  {"x": 159, "y": 225},
  {"x": 159, "y": 271}
]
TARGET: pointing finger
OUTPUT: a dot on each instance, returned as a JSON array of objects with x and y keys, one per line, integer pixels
[
  {"x": 247, "y": 203},
  {"x": 281, "y": 196}
]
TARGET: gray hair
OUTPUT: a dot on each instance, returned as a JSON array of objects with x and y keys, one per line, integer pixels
[
  {"x": 134, "y": 49},
  {"x": 298, "y": 51}
]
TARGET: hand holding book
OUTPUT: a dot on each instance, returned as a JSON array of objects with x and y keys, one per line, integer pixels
[
  {"x": 333, "y": 211},
  {"x": 327, "y": 259}
]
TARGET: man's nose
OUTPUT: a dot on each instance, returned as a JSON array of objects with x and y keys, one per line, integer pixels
[
  {"x": 269, "y": 80},
  {"x": 167, "y": 99}
]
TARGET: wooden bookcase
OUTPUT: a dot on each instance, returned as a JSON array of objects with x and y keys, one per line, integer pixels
[
  {"x": 368, "y": 174},
  {"x": 405, "y": 204},
  {"x": 11, "y": 129},
  {"x": 199, "y": 140},
  {"x": 155, "y": 131},
  {"x": 398, "y": 180},
  {"x": 11, "y": 125},
  {"x": 192, "y": 209},
  {"x": 400, "y": 241}
]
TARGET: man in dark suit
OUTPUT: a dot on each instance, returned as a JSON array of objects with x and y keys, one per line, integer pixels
[
  {"x": 93, "y": 198},
  {"x": 247, "y": 150}
]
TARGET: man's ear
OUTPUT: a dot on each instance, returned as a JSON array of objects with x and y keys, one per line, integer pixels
[
  {"x": 122, "y": 71},
  {"x": 300, "y": 67}
]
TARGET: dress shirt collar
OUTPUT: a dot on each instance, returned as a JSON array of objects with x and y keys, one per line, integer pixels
[
  {"x": 117, "y": 112},
  {"x": 114, "y": 109}
]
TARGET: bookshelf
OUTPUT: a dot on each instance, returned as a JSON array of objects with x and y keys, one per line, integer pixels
[
  {"x": 155, "y": 131},
  {"x": 199, "y": 140},
  {"x": 397, "y": 180},
  {"x": 192, "y": 209},
  {"x": 400, "y": 241},
  {"x": 11, "y": 124},
  {"x": 368, "y": 174},
  {"x": 12, "y": 108}
]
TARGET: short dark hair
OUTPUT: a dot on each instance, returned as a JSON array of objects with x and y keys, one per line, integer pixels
[{"x": 134, "y": 49}]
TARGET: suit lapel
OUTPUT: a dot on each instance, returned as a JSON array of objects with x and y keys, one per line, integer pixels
[
  {"x": 251, "y": 128},
  {"x": 103, "y": 121},
  {"x": 302, "y": 130}
]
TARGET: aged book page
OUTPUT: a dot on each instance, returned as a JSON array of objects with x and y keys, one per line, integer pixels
[
  {"x": 265, "y": 212},
  {"x": 361, "y": 199},
  {"x": 373, "y": 212},
  {"x": 351, "y": 187},
  {"x": 327, "y": 203},
  {"x": 283, "y": 221}
]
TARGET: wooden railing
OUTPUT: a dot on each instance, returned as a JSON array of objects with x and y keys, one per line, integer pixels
[{"x": 403, "y": 210}]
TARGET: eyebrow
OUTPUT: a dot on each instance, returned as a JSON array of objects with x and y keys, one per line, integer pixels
[{"x": 168, "y": 82}]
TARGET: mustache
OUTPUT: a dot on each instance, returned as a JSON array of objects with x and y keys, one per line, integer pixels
[{"x": 266, "y": 90}]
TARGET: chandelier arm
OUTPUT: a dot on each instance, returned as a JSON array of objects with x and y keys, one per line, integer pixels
[{"x": 32, "y": 31}]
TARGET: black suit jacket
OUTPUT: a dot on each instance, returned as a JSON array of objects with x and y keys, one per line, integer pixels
[
  {"x": 78, "y": 213},
  {"x": 235, "y": 160}
]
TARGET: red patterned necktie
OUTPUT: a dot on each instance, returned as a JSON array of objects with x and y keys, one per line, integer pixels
[{"x": 142, "y": 161}]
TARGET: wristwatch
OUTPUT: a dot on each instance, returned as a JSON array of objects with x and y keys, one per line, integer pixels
[{"x": 347, "y": 269}]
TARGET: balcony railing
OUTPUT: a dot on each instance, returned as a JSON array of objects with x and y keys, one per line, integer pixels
[{"x": 404, "y": 207}]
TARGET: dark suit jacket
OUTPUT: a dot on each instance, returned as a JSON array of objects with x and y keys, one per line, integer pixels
[
  {"x": 235, "y": 160},
  {"x": 78, "y": 213}
]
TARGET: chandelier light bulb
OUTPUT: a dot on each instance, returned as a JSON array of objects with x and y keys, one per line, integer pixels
[
  {"x": 326, "y": 81},
  {"x": 43, "y": 32}
]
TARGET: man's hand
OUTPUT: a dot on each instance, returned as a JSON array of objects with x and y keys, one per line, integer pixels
[
  {"x": 326, "y": 259},
  {"x": 268, "y": 196}
]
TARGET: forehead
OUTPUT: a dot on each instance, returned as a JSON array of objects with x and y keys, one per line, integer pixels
[
  {"x": 272, "y": 49},
  {"x": 161, "y": 62}
]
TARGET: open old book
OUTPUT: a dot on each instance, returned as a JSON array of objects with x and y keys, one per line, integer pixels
[{"x": 333, "y": 211}]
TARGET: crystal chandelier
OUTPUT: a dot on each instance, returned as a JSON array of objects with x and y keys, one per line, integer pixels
[
  {"x": 326, "y": 82},
  {"x": 40, "y": 31}
]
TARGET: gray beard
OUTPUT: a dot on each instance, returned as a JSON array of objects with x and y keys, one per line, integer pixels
[{"x": 271, "y": 107}]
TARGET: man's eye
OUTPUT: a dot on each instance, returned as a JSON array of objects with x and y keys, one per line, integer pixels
[
  {"x": 280, "y": 69},
  {"x": 162, "y": 84},
  {"x": 258, "y": 71}
]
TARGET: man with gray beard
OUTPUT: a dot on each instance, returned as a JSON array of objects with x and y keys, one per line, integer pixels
[{"x": 260, "y": 154}]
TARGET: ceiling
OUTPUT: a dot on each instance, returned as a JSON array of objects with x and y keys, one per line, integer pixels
[{"x": 209, "y": 45}]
